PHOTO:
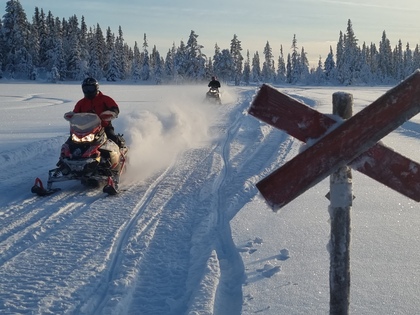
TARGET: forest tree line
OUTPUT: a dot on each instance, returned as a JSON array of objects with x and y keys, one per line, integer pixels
[{"x": 66, "y": 50}]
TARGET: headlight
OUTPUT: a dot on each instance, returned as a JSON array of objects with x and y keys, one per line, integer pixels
[{"x": 88, "y": 138}]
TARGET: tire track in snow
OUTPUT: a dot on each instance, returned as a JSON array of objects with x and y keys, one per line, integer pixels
[
  {"x": 28, "y": 226},
  {"x": 157, "y": 259},
  {"x": 239, "y": 172},
  {"x": 109, "y": 290}
]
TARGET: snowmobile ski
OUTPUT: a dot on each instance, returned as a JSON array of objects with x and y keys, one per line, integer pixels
[
  {"x": 110, "y": 188},
  {"x": 38, "y": 188}
]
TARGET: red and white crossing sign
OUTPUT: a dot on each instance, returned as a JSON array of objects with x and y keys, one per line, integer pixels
[{"x": 353, "y": 142}]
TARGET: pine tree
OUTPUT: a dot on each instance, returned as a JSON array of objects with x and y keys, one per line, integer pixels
[
  {"x": 95, "y": 69},
  {"x": 74, "y": 62},
  {"x": 158, "y": 65},
  {"x": 217, "y": 61},
  {"x": 256, "y": 68},
  {"x": 209, "y": 68},
  {"x": 120, "y": 55},
  {"x": 169, "y": 71},
  {"x": 235, "y": 51},
  {"x": 16, "y": 32},
  {"x": 145, "y": 67},
  {"x": 180, "y": 63},
  {"x": 195, "y": 59},
  {"x": 281, "y": 67},
  {"x": 135, "y": 74},
  {"x": 365, "y": 75},
  {"x": 109, "y": 47},
  {"x": 318, "y": 74},
  {"x": 416, "y": 57},
  {"x": 340, "y": 58},
  {"x": 408, "y": 67},
  {"x": 296, "y": 70},
  {"x": 227, "y": 65},
  {"x": 268, "y": 71},
  {"x": 329, "y": 67},
  {"x": 289, "y": 69},
  {"x": 304, "y": 66},
  {"x": 398, "y": 62},
  {"x": 247, "y": 69},
  {"x": 385, "y": 59},
  {"x": 350, "y": 62}
]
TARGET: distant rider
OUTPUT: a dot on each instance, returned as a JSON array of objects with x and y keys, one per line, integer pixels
[{"x": 214, "y": 83}]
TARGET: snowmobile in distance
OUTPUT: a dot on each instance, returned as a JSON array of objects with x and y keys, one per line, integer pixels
[
  {"x": 88, "y": 155},
  {"x": 213, "y": 96}
]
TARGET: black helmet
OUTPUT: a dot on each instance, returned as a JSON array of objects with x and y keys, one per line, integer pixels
[
  {"x": 213, "y": 78},
  {"x": 90, "y": 87}
]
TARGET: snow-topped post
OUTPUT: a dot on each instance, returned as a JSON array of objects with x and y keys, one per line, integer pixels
[{"x": 341, "y": 196}]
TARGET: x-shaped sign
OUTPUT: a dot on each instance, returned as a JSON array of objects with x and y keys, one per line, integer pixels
[{"x": 353, "y": 142}]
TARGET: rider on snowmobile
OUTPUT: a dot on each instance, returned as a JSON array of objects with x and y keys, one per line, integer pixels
[
  {"x": 214, "y": 83},
  {"x": 97, "y": 102}
]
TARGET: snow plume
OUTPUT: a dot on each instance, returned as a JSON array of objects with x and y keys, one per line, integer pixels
[{"x": 156, "y": 135}]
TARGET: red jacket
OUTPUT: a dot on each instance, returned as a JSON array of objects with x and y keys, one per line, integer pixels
[{"x": 98, "y": 105}]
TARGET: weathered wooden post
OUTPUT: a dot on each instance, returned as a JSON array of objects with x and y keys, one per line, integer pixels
[{"x": 341, "y": 196}]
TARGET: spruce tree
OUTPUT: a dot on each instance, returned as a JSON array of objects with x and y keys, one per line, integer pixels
[{"x": 235, "y": 51}]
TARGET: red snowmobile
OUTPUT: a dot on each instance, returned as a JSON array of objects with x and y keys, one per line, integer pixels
[{"x": 88, "y": 155}]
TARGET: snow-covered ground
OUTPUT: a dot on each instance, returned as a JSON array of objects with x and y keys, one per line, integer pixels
[{"x": 189, "y": 234}]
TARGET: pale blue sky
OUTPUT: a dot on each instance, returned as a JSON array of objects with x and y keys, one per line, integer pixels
[{"x": 316, "y": 23}]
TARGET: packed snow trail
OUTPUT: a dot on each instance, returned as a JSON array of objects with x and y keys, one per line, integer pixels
[
  {"x": 166, "y": 244},
  {"x": 163, "y": 246}
]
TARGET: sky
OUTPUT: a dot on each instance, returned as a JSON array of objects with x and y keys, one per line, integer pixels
[{"x": 316, "y": 23}]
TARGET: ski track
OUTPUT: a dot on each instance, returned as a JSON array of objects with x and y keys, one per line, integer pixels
[{"x": 81, "y": 252}]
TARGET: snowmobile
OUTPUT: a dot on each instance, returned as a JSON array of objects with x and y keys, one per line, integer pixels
[
  {"x": 88, "y": 155},
  {"x": 213, "y": 96}
]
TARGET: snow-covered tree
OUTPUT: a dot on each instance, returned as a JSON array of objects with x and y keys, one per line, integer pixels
[
  {"x": 329, "y": 67},
  {"x": 209, "y": 68},
  {"x": 350, "y": 63},
  {"x": 268, "y": 72},
  {"x": 246, "y": 75},
  {"x": 408, "y": 67},
  {"x": 195, "y": 59},
  {"x": 16, "y": 32},
  {"x": 281, "y": 67},
  {"x": 385, "y": 59},
  {"x": 145, "y": 67},
  {"x": 227, "y": 65},
  {"x": 398, "y": 62},
  {"x": 157, "y": 66},
  {"x": 235, "y": 51},
  {"x": 72, "y": 48},
  {"x": 304, "y": 66},
  {"x": 295, "y": 63},
  {"x": 217, "y": 61},
  {"x": 256, "y": 68},
  {"x": 416, "y": 57},
  {"x": 318, "y": 75},
  {"x": 96, "y": 47},
  {"x": 113, "y": 71},
  {"x": 169, "y": 71},
  {"x": 135, "y": 68}
]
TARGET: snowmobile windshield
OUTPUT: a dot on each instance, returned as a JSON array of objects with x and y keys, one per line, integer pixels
[{"x": 84, "y": 122}]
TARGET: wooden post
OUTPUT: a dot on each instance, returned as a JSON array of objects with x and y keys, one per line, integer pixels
[{"x": 341, "y": 197}]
